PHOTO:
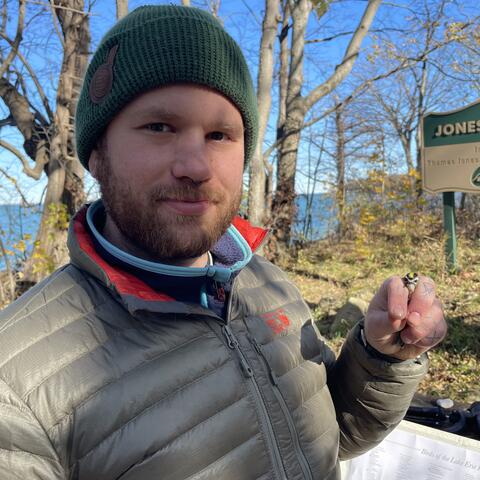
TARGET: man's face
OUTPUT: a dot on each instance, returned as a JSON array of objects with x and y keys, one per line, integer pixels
[{"x": 170, "y": 169}]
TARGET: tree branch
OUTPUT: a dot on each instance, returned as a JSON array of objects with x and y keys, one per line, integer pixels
[
  {"x": 59, "y": 7},
  {"x": 7, "y": 121},
  {"x": 34, "y": 77},
  {"x": 19, "y": 108},
  {"x": 18, "y": 38},
  {"x": 351, "y": 54},
  {"x": 252, "y": 12},
  {"x": 404, "y": 64},
  {"x": 14, "y": 182},
  {"x": 271, "y": 148},
  {"x": 4, "y": 16},
  {"x": 8, "y": 267},
  {"x": 55, "y": 24},
  {"x": 344, "y": 34},
  {"x": 34, "y": 173}
]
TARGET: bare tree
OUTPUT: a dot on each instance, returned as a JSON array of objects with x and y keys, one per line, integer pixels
[
  {"x": 257, "y": 184},
  {"x": 340, "y": 164},
  {"x": 48, "y": 137},
  {"x": 18, "y": 37},
  {"x": 297, "y": 106},
  {"x": 314, "y": 174},
  {"x": 397, "y": 107},
  {"x": 400, "y": 100}
]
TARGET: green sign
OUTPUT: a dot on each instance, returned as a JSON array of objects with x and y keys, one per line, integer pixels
[
  {"x": 451, "y": 163},
  {"x": 452, "y": 128},
  {"x": 451, "y": 150},
  {"x": 476, "y": 178}
]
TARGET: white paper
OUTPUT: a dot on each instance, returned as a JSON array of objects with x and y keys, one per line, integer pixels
[{"x": 415, "y": 452}]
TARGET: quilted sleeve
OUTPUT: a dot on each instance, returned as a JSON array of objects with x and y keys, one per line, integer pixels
[
  {"x": 371, "y": 394},
  {"x": 25, "y": 449}
]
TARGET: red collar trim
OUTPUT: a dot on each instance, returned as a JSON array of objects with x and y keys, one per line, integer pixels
[
  {"x": 253, "y": 235},
  {"x": 124, "y": 282}
]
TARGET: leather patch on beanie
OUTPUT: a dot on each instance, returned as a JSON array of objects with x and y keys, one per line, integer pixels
[{"x": 102, "y": 79}]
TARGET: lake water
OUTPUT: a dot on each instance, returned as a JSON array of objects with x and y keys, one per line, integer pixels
[
  {"x": 17, "y": 221},
  {"x": 322, "y": 219}
]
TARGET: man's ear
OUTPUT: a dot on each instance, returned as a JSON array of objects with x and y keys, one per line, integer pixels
[{"x": 93, "y": 163}]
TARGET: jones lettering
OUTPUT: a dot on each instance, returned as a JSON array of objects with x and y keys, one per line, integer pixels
[{"x": 457, "y": 128}]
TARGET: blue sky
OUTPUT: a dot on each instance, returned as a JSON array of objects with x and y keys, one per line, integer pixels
[{"x": 242, "y": 19}]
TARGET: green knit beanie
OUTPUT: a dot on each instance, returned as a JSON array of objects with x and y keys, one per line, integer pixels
[{"x": 161, "y": 45}]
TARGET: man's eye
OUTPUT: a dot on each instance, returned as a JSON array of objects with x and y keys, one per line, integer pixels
[
  {"x": 217, "y": 136},
  {"x": 158, "y": 127}
]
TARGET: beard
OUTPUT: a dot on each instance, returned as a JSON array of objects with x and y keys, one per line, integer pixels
[{"x": 157, "y": 231}]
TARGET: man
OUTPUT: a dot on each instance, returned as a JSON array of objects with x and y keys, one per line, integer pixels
[{"x": 166, "y": 349}]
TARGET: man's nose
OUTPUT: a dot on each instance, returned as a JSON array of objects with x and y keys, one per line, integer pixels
[{"x": 191, "y": 158}]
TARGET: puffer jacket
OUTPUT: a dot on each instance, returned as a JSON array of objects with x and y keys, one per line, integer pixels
[{"x": 103, "y": 378}]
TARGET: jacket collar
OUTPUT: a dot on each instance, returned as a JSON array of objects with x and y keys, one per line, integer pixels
[
  {"x": 232, "y": 252},
  {"x": 128, "y": 286}
]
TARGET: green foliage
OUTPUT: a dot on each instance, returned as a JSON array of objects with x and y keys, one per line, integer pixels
[
  {"x": 320, "y": 7},
  {"x": 57, "y": 221},
  {"x": 26, "y": 249},
  {"x": 385, "y": 208},
  {"x": 19, "y": 249},
  {"x": 455, "y": 31},
  {"x": 58, "y": 217},
  {"x": 43, "y": 263},
  {"x": 19, "y": 252}
]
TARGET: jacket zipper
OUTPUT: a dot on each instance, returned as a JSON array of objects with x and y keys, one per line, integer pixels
[
  {"x": 233, "y": 344},
  {"x": 219, "y": 291},
  {"x": 307, "y": 472}
]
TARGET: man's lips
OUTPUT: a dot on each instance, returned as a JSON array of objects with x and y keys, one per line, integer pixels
[{"x": 188, "y": 207}]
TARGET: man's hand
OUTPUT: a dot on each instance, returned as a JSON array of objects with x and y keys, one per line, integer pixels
[{"x": 401, "y": 328}]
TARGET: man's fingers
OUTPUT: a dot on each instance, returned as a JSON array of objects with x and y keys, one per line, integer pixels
[
  {"x": 413, "y": 331},
  {"x": 397, "y": 299},
  {"x": 388, "y": 309},
  {"x": 427, "y": 330},
  {"x": 419, "y": 319},
  {"x": 423, "y": 296},
  {"x": 381, "y": 325},
  {"x": 380, "y": 299}
]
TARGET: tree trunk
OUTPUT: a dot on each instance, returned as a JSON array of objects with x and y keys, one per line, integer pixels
[
  {"x": 340, "y": 164},
  {"x": 283, "y": 73},
  {"x": 65, "y": 193},
  {"x": 282, "y": 101},
  {"x": 406, "y": 141},
  {"x": 283, "y": 208},
  {"x": 256, "y": 192},
  {"x": 122, "y": 8},
  {"x": 422, "y": 88},
  {"x": 431, "y": 26}
]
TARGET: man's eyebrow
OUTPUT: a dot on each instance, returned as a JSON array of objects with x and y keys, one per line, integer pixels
[
  {"x": 232, "y": 128},
  {"x": 153, "y": 111}
]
